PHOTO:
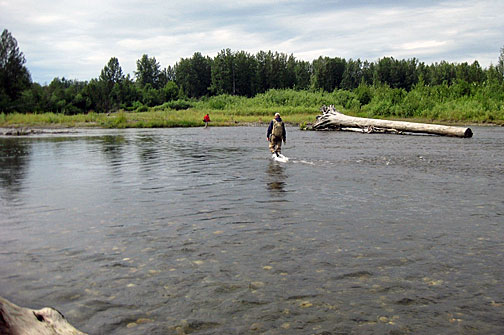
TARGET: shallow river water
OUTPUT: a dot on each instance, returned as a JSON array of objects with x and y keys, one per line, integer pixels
[{"x": 197, "y": 231}]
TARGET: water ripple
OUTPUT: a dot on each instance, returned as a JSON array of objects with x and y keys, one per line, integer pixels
[{"x": 197, "y": 231}]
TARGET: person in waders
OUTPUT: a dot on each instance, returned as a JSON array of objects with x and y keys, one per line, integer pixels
[{"x": 276, "y": 134}]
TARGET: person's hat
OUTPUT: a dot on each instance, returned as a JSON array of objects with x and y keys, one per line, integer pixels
[{"x": 277, "y": 114}]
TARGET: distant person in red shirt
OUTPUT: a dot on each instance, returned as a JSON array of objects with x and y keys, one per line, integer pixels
[{"x": 206, "y": 119}]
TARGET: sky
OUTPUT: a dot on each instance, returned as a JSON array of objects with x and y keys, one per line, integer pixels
[{"x": 75, "y": 39}]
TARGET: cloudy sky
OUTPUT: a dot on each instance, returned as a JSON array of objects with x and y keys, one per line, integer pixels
[{"x": 75, "y": 39}]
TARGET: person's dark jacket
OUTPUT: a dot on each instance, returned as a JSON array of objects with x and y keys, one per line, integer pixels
[{"x": 270, "y": 129}]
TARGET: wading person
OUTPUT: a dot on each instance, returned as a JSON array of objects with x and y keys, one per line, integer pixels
[
  {"x": 206, "y": 119},
  {"x": 276, "y": 134}
]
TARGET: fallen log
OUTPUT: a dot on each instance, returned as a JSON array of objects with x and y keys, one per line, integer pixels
[
  {"x": 15, "y": 320},
  {"x": 334, "y": 120}
]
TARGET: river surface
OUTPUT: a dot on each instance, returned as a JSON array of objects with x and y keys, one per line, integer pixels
[{"x": 198, "y": 231}]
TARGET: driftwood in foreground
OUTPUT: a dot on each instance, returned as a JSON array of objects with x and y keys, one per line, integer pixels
[
  {"x": 15, "y": 320},
  {"x": 332, "y": 119}
]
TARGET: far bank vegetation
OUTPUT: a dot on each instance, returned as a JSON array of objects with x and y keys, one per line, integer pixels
[{"x": 239, "y": 87}]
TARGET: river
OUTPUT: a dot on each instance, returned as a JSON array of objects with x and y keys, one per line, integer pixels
[{"x": 173, "y": 231}]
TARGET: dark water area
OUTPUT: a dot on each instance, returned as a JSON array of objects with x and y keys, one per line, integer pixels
[{"x": 198, "y": 231}]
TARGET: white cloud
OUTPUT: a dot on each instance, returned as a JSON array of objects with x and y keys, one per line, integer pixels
[
  {"x": 419, "y": 45},
  {"x": 63, "y": 38}
]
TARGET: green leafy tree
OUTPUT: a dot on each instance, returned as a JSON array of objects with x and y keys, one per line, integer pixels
[
  {"x": 111, "y": 80},
  {"x": 274, "y": 71},
  {"x": 352, "y": 76},
  {"x": 166, "y": 75},
  {"x": 303, "y": 72},
  {"x": 245, "y": 67},
  {"x": 470, "y": 73},
  {"x": 422, "y": 74},
  {"x": 35, "y": 98},
  {"x": 442, "y": 73},
  {"x": 130, "y": 92},
  {"x": 264, "y": 74},
  {"x": 500, "y": 63},
  {"x": 278, "y": 70},
  {"x": 75, "y": 101},
  {"x": 368, "y": 69},
  {"x": 97, "y": 92},
  {"x": 170, "y": 91},
  {"x": 193, "y": 75},
  {"x": 148, "y": 71},
  {"x": 364, "y": 93},
  {"x": 290, "y": 72},
  {"x": 65, "y": 96},
  {"x": 56, "y": 92},
  {"x": 202, "y": 69},
  {"x": 14, "y": 76},
  {"x": 184, "y": 76},
  {"x": 328, "y": 73},
  {"x": 112, "y": 72},
  {"x": 151, "y": 96},
  {"x": 234, "y": 73},
  {"x": 223, "y": 73},
  {"x": 476, "y": 73},
  {"x": 396, "y": 73}
]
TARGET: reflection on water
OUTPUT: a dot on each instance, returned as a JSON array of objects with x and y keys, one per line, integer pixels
[
  {"x": 173, "y": 231},
  {"x": 276, "y": 178},
  {"x": 14, "y": 159}
]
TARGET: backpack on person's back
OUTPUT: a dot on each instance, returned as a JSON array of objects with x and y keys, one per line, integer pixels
[{"x": 277, "y": 130}]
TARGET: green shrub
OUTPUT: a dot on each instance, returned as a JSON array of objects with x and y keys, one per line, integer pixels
[
  {"x": 347, "y": 99},
  {"x": 223, "y": 101},
  {"x": 364, "y": 94},
  {"x": 142, "y": 109},
  {"x": 178, "y": 104}
]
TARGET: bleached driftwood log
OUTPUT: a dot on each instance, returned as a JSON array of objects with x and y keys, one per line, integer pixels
[
  {"x": 333, "y": 119},
  {"x": 15, "y": 320}
]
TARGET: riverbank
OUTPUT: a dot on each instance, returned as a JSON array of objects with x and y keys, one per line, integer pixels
[
  {"x": 425, "y": 104},
  {"x": 150, "y": 119},
  {"x": 170, "y": 119}
]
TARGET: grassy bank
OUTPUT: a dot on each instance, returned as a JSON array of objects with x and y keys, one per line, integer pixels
[
  {"x": 437, "y": 104},
  {"x": 150, "y": 119}
]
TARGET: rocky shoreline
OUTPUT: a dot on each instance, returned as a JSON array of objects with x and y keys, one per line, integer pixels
[{"x": 33, "y": 131}]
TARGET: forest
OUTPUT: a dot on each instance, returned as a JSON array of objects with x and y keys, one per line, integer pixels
[{"x": 387, "y": 87}]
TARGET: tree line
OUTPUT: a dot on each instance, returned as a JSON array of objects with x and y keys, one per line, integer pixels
[{"x": 230, "y": 72}]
